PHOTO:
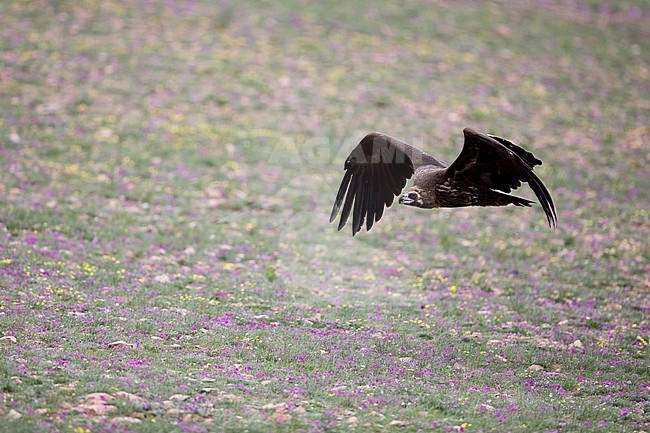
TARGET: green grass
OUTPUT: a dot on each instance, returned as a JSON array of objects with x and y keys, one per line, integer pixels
[{"x": 167, "y": 175}]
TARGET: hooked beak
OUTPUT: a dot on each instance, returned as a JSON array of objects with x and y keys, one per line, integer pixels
[{"x": 404, "y": 199}]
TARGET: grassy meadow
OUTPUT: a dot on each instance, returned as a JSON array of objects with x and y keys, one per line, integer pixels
[{"x": 167, "y": 169}]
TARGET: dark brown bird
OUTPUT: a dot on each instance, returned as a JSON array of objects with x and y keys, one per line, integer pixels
[{"x": 487, "y": 168}]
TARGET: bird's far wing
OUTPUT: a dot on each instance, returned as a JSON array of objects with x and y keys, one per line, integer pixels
[
  {"x": 499, "y": 164},
  {"x": 375, "y": 172},
  {"x": 528, "y": 157}
]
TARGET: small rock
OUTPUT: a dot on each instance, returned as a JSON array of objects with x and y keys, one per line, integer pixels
[
  {"x": 299, "y": 409},
  {"x": 191, "y": 417},
  {"x": 8, "y": 339},
  {"x": 69, "y": 387},
  {"x": 163, "y": 278},
  {"x": 397, "y": 422},
  {"x": 98, "y": 397},
  {"x": 131, "y": 398},
  {"x": 487, "y": 408},
  {"x": 232, "y": 397},
  {"x": 120, "y": 343},
  {"x": 96, "y": 408},
  {"x": 536, "y": 367},
  {"x": 577, "y": 344},
  {"x": 76, "y": 313},
  {"x": 126, "y": 419},
  {"x": 353, "y": 420},
  {"x": 279, "y": 417},
  {"x": 179, "y": 397},
  {"x": 14, "y": 415}
]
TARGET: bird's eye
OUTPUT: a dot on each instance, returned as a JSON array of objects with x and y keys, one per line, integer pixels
[{"x": 413, "y": 195}]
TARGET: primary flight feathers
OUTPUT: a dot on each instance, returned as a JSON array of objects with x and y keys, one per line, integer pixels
[{"x": 486, "y": 170}]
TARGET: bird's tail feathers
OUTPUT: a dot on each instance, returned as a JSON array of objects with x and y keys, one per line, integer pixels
[{"x": 496, "y": 198}]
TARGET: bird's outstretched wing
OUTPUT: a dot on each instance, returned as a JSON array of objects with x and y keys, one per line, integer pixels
[
  {"x": 498, "y": 164},
  {"x": 375, "y": 172}
]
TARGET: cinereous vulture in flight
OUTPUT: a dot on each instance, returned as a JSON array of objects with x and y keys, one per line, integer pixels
[{"x": 486, "y": 170}]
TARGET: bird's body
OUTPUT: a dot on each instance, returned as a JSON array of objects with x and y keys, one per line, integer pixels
[{"x": 486, "y": 170}]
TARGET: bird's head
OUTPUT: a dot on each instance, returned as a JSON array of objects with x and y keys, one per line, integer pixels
[{"x": 413, "y": 197}]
